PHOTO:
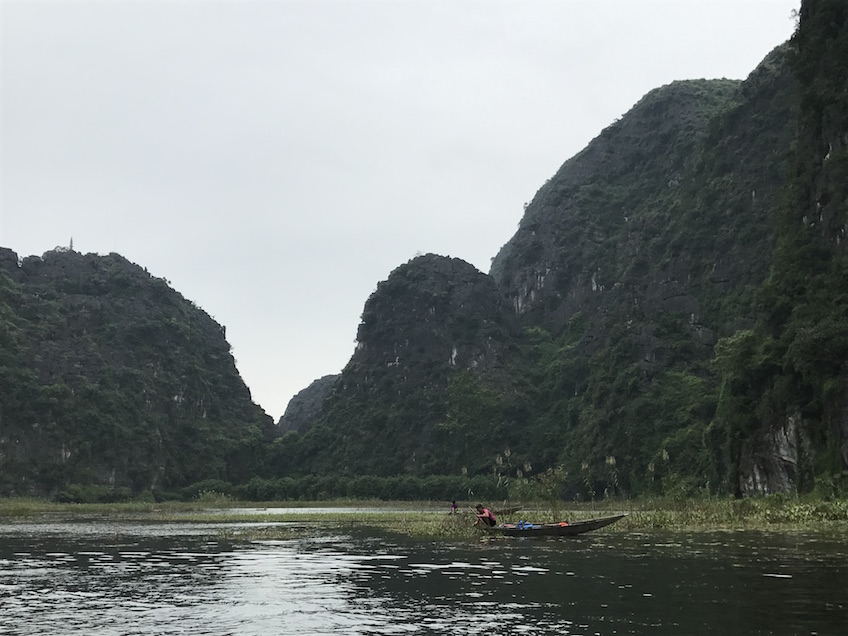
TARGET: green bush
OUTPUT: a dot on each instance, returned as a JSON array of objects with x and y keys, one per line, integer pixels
[
  {"x": 92, "y": 493},
  {"x": 197, "y": 489}
]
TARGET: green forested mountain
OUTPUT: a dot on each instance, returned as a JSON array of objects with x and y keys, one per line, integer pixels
[
  {"x": 648, "y": 246},
  {"x": 782, "y": 418},
  {"x": 628, "y": 266},
  {"x": 110, "y": 378},
  {"x": 434, "y": 335},
  {"x": 677, "y": 288},
  {"x": 670, "y": 317}
]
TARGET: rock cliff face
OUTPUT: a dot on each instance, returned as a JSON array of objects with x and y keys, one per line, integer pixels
[
  {"x": 631, "y": 264},
  {"x": 655, "y": 236},
  {"x": 771, "y": 461},
  {"x": 433, "y": 318},
  {"x": 433, "y": 311},
  {"x": 590, "y": 342},
  {"x": 110, "y": 378},
  {"x": 304, "y": 408},
  {"x": 582, "y": 231},
  {"x": 800, "y": 373},
  {"x": 670, "y": 316},
  {"x": 667, "y": 211}
]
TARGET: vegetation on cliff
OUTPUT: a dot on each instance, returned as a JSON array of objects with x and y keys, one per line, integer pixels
[
  {"x": 670, "y": 318},
  {"x": 627, "y": 266},
  {"x": 678, "y": 285},
  {"x": 428, "y": 334},
  {"x": 785, "y": 380},
  {"x": 109, "y": 377}
]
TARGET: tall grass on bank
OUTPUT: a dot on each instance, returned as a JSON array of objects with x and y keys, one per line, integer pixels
[
  {"x": 775, "y": 512},
  {"x": 428, "y": 520}
]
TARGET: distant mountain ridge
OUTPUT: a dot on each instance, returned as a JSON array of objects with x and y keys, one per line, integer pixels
[{"x": 670, "y": 318}]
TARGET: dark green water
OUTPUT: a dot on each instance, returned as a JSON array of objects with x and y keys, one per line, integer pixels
[{"x": 109, "y": 578}]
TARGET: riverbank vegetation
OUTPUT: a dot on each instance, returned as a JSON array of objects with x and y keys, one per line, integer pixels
[{"x": 431, "y": 520}]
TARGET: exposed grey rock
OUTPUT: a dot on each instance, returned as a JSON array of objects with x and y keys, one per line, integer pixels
[
  {"x": 304, "y": 407},
  {"x": 769, "y": 462}
]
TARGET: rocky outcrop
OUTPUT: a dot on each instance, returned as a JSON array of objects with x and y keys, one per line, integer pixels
[
  {"x": 305, "y": 407},
  {"x": 432, "y": 319},
  {"x": 800, "y": 365},
  {"x": 110, "y": 379},
  {"x": 433, "y": 311},
  {"x": 9, "y": 262},
  {"x": 628, "y": 265},
  {"x": 666, "y": 211},
  {"x": 770, "y": 459}
]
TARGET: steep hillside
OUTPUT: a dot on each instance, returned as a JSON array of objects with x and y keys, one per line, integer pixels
[
  {"x": 666, "y": 210},
  {"x": 670, "y": 317},
  {"x": 305, "y": 407},
  {"x": 628, "y": 266},
  {"x": 436, "y": 323},
  {"x": 110, "y": 379},
  {"x": 633, "y": 259},
  {"x": 783, "y": 417}
]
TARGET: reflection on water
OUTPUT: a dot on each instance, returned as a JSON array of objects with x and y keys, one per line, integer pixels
[{"x": 101, "y": 578}]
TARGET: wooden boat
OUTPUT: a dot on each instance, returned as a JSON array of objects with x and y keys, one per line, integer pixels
[{"x": 561, "y": 529}]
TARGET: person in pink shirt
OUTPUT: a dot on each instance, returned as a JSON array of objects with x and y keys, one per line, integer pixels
[{"x": 485, "y": 515}]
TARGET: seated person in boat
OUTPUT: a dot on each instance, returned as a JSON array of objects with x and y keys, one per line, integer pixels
[{"x": 484, "y": 515}]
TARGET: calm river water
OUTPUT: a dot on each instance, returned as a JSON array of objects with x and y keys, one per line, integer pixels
[{"x": 112, "y": 578}]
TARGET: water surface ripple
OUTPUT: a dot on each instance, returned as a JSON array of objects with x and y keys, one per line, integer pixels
[{"x": 121, "y": 579}]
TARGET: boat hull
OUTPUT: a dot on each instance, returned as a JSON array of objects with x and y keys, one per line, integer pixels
[{"x": 562, "y": 529}]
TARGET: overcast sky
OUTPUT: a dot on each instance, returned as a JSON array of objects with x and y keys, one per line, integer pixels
[{"x": 275, "y": 160}]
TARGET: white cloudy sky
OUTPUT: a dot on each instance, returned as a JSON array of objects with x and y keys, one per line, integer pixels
[{"x": 275, "y": 160}]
